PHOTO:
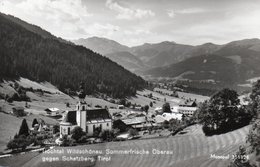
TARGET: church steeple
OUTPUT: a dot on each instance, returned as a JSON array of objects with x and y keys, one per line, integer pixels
[{"x": 81, "y": 93}]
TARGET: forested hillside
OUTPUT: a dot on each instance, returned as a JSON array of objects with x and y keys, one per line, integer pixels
[{"x": 24, "y": 53}]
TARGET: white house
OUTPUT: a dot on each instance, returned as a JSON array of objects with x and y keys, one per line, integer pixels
[
  {"x": 184, "y": 110},
  {"x": 88, "y": 119},
  {"x": 168, "y": 117},
  {"x": 52, "y": 111}
]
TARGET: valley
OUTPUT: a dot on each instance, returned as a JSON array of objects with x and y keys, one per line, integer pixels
[{"x": 154, "y": 104}]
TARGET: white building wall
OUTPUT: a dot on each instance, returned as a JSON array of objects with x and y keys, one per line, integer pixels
[
  {"x": 65, "y": 129},
  {"x": 105, "y": 126},
  {"x": 83, "y": 120}
]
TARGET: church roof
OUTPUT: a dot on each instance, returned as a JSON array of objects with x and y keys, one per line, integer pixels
[
  {"x": 92, "y": 114},
  {"x": 97, "y": 114},
  {"x": 70, "y": 117}
]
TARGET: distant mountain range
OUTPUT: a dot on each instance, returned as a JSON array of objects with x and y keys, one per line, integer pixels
[
  {"x": 31, "y": 52},
  {"x": 147, "y": 55},
  {"x": 231, "y": 63}
]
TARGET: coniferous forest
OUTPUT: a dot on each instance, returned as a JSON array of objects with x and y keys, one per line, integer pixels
[{"x": 27, "y": 54}]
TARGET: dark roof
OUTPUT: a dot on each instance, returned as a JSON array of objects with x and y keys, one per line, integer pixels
[
  {"x": 71, "y": 117},
  {"x": 18, "y": 108},
  {"x": 92, "y": 114},
  {"x": 96, "y": 114},
  {"x": 190, "y": 103}
]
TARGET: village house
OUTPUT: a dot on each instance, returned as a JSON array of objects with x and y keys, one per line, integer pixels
[
  {"x": 52, "y": 111},
  {"x": 189, "y": 111}
]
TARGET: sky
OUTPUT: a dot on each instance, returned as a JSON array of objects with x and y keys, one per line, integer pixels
[{"x": 134, "y": 22}]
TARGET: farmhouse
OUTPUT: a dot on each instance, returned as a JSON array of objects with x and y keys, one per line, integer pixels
[
  {"x": 88, "y": 119},
  {"x": 187, "y": 110},
  {"x": 167, "y": 117},
  {"x": 188, "y": 104},
  {"x": 52, "y": 111},
  {"x": 184, "y": 110}
]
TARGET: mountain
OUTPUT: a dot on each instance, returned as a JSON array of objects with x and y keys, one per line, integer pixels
[
  {"x": 127, "y": 60},
  {"x": 30, "y": 55},
  {"x": 166, "y": 53},
  {"x": 114, "y": 51},
  {"x": 101, "y": 45},
  {"x": 33, "y": 28},
  {"x": 231, "y": 63}
]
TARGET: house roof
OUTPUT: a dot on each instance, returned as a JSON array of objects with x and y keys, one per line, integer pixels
[
  {"x": 18, "y": 108},
  {"x": 135, "y": 120},
  {"x": 52, "y": 109},
  {"x": 188, "y": 103}
]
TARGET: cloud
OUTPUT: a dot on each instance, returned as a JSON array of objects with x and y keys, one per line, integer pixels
[
  {"x": 127, "y": 13},
  {"x": 63, "y": 18},
  {"x": 102, "y": 30},
  {"x": 191, "y": 11},
  {"x": 171, "y": 13}
]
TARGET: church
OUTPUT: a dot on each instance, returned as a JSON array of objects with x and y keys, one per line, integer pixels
[{"x": 89, "y": 119}]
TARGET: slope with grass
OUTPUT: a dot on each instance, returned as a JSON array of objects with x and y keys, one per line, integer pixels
[{"x": 190, "y": 149}]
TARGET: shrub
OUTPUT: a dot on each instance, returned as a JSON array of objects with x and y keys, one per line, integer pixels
[
  {"x": 133, "y": 132},
  {"x": 66, "y": 141},
  {"x": 20, "y": 142},
  {"x": 107, "y": 135},
  {"x": 83, "y": 139},
  {"x": 77, "y": 133}
]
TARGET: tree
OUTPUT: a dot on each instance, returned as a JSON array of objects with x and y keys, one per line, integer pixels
[
  {"x": 77, "y": 133},
  {"x": 221, "y": 113},
  {"x": 34, "y": 122},
  {"x": 132, "y": 132},
  {"x": 66, "y": 141},
  {"x": 24, "y": 130},
  {"x": 19, "y": 142},
  {"x": 165, "y": 124},
  {"x": 253, "y": 137},
  {"x": 107, "y": 135},
  {"x": 146, "y": 108},
  {"x": 254, "y": 105},
  {"x": 166, "y": 108},
  {"x": 122, "y": 102},
  {"x": 151, "y": 104},
  {"x": 56, "y": 128},
  {"x": 174, "y": 125}
]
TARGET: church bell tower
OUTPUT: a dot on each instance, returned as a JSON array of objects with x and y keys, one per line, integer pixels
[{"x": 81, "y": 108}]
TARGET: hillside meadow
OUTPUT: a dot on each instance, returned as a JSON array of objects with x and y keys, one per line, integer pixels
[{"x": 190, "y": 149}]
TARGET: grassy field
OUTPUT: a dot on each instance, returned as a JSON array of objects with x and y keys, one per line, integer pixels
[
  {"x": 190, "y": 149},
  {"x": 9, "y": 126}
]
